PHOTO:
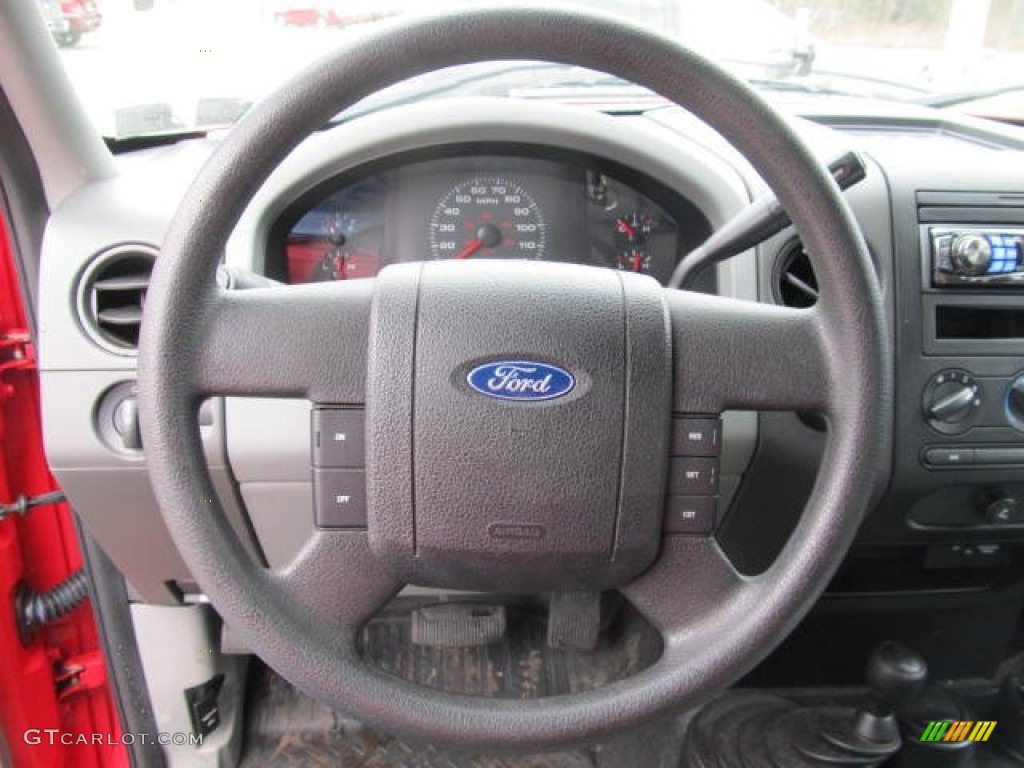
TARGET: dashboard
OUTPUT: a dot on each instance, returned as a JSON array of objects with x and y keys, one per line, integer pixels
[
  {"x": 488, "y": 206},
  {"x": 631, "y": 192}
]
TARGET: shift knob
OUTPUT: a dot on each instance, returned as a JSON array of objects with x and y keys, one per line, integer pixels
[{"x": 894, "y": 672}]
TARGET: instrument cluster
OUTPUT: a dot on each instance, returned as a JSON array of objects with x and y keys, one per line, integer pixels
[{"x": 488, "y": 206}]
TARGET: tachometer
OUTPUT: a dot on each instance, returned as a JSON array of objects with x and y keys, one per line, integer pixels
[{"x": 487, "y": 217}]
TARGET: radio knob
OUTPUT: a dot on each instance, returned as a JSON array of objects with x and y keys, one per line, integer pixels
[
  {"x": 971, "y": 254},
  {"x": 952, "y": 402}
]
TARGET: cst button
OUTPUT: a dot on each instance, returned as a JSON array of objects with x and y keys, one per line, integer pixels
[{"x": 690, "y": 514}]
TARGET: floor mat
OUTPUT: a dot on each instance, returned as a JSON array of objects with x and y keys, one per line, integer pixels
[{"x": 285, "y": 728}]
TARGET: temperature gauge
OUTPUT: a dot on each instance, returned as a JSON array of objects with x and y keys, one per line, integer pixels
[{"x": 631, "y": 233}]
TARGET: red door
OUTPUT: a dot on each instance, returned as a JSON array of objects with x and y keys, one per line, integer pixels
[{"x": 56, "y": 708}]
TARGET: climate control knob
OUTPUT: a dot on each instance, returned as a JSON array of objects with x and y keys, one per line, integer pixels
[
  {"x": 971, "y": 254},
  {"x": 952, "y": 402},
  {"x": 1015, "y": 403}
]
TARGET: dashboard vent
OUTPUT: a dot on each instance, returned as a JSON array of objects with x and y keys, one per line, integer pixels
[
  {"x": 795, "y": 283},
  {"x": 112, "y": 294}
]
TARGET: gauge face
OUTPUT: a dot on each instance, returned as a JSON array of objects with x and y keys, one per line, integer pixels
[
  {"x": 631, "y": 233},
  {"x": 487, "y": 218}
]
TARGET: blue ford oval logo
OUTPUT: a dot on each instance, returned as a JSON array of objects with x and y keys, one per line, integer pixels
[{"x": 521, "y": 380}]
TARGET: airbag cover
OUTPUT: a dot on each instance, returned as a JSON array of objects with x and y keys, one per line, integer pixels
[{"x": 500, "y": 463}]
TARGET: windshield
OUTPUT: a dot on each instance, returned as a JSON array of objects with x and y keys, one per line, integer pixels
[{"x": 149, "y": 67}]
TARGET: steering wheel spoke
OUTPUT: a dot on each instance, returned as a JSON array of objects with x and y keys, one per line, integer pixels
[
  {"x": 290, "y": 341},
  {"x": 691, "y": 576},
  {"x": 337, "y": 579},
  {"x": 741, "y": 355}
]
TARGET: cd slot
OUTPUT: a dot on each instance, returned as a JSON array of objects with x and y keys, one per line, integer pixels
[{"x": 978, "y": 323}]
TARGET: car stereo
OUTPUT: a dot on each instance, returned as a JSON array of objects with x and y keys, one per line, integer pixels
[{"x": 977, "y": 257}]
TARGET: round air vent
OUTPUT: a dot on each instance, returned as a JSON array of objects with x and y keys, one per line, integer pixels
[
  {"x": 795, "y": 283},
  {"x": 111, "y": 295}
]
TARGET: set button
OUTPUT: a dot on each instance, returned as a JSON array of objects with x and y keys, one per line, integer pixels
[{"x": 693, "y": 477}]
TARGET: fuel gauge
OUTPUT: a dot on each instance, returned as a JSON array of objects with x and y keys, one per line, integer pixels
[
  {"x": 345, "y": 264},
  {"x": 631, "y": 231}
]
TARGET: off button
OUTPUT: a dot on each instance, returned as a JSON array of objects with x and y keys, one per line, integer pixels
[{"x": 340, "y": 497}]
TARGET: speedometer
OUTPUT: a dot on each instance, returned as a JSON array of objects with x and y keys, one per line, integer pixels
[{"x": 487, "y": 217}]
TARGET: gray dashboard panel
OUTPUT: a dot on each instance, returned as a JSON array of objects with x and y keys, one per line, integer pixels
[{"x": 75, "y": 373}]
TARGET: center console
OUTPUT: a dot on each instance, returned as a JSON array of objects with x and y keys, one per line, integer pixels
[
  {"x": 968, "y": 435},
  {"x": 939, "y": 560}
]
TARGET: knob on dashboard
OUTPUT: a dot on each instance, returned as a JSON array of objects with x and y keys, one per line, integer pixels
[
  {"x": 1004, "y": 511},
  {"x": 971, "y": 254},
  {"x": 952, "y": 402},
  {"x": 1015, "y": 403}
]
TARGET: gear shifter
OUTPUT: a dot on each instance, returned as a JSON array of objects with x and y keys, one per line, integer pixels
[
  {"x": 898, "y": 677},
  {"x": 896, "y": 674},
  {"x": 768, "y": 731}
]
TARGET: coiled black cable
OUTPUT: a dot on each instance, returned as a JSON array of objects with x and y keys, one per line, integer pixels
[{"x": 38, "y": 609}]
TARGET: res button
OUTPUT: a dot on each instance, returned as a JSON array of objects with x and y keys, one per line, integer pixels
[{"x": 696, "y": 436}]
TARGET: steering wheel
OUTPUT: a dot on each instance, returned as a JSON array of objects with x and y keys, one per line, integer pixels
[{"x": 466, "y": 490}]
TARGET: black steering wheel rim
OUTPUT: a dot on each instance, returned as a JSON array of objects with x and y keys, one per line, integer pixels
[{"x": 709, "y": 642}]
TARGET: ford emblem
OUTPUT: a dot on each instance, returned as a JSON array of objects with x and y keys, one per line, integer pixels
[{"x": 523, "y": 380}]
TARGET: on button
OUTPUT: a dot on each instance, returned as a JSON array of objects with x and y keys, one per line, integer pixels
[{"x": 339, "y": 438}]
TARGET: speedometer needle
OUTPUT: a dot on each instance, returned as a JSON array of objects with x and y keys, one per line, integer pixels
[{"x": 470, "y": 249}]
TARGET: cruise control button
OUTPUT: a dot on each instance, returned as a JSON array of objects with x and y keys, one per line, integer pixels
[
  {"x": 340, "y": 496},
  {"x": 690, "y": 514},
  {"x": 693, "y": 477},
  {"x": 949, "y": 457},
  {"x": 339, "y": 438},
  {"x": 696, "y": 437}
]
